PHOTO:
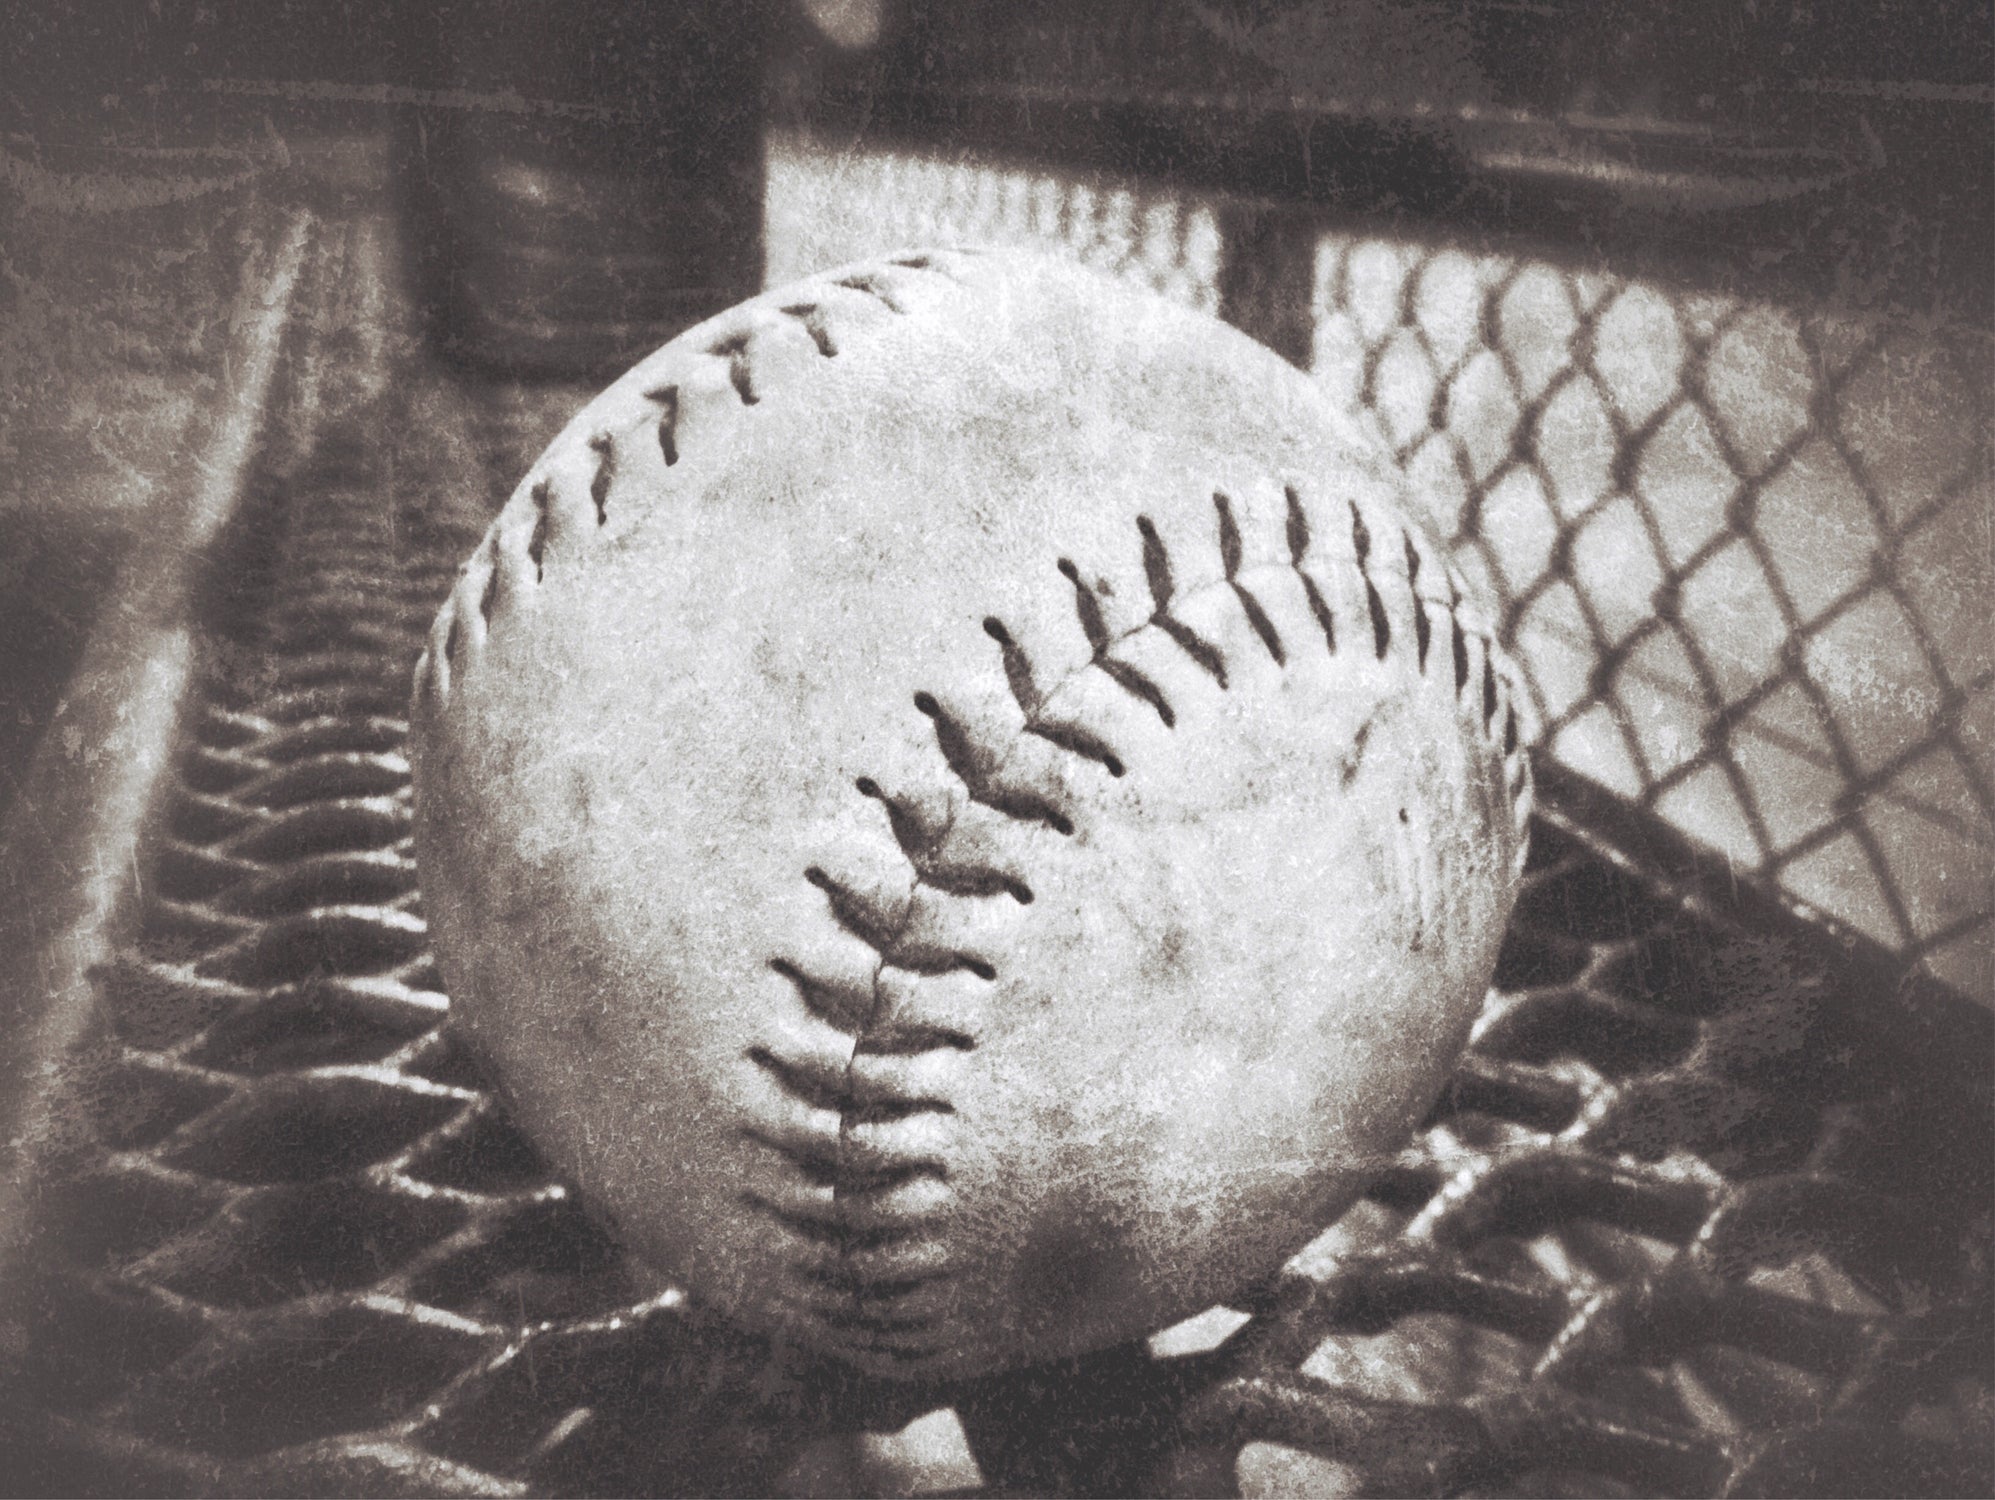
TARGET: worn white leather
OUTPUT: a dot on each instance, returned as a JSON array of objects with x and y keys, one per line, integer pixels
[{"x": 957, "y": 805}]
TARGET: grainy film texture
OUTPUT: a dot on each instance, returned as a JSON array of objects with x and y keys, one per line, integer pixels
[{"x": 1706, "y": 1208}]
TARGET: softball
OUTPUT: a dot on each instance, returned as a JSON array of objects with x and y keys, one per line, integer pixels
[{"x": 957, "y": 806}]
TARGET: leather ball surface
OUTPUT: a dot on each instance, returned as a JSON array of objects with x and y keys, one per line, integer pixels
[{"x": 958, "y": 807}]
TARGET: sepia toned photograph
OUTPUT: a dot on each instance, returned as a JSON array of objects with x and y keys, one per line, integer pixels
[{"x": 997, "y": 748}]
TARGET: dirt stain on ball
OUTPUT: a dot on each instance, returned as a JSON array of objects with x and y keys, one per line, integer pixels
[{"x": 1073, "y": 1261}]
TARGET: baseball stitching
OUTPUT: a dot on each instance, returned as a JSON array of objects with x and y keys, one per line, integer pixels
[
  {"x": 980, "y": 771},
  {"x": 889, "y": 1254}
]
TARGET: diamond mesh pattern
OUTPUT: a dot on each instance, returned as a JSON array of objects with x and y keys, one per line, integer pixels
[
  {"x": 1706, "y": 1207},
  {"x": 1700, "y": 499}
]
